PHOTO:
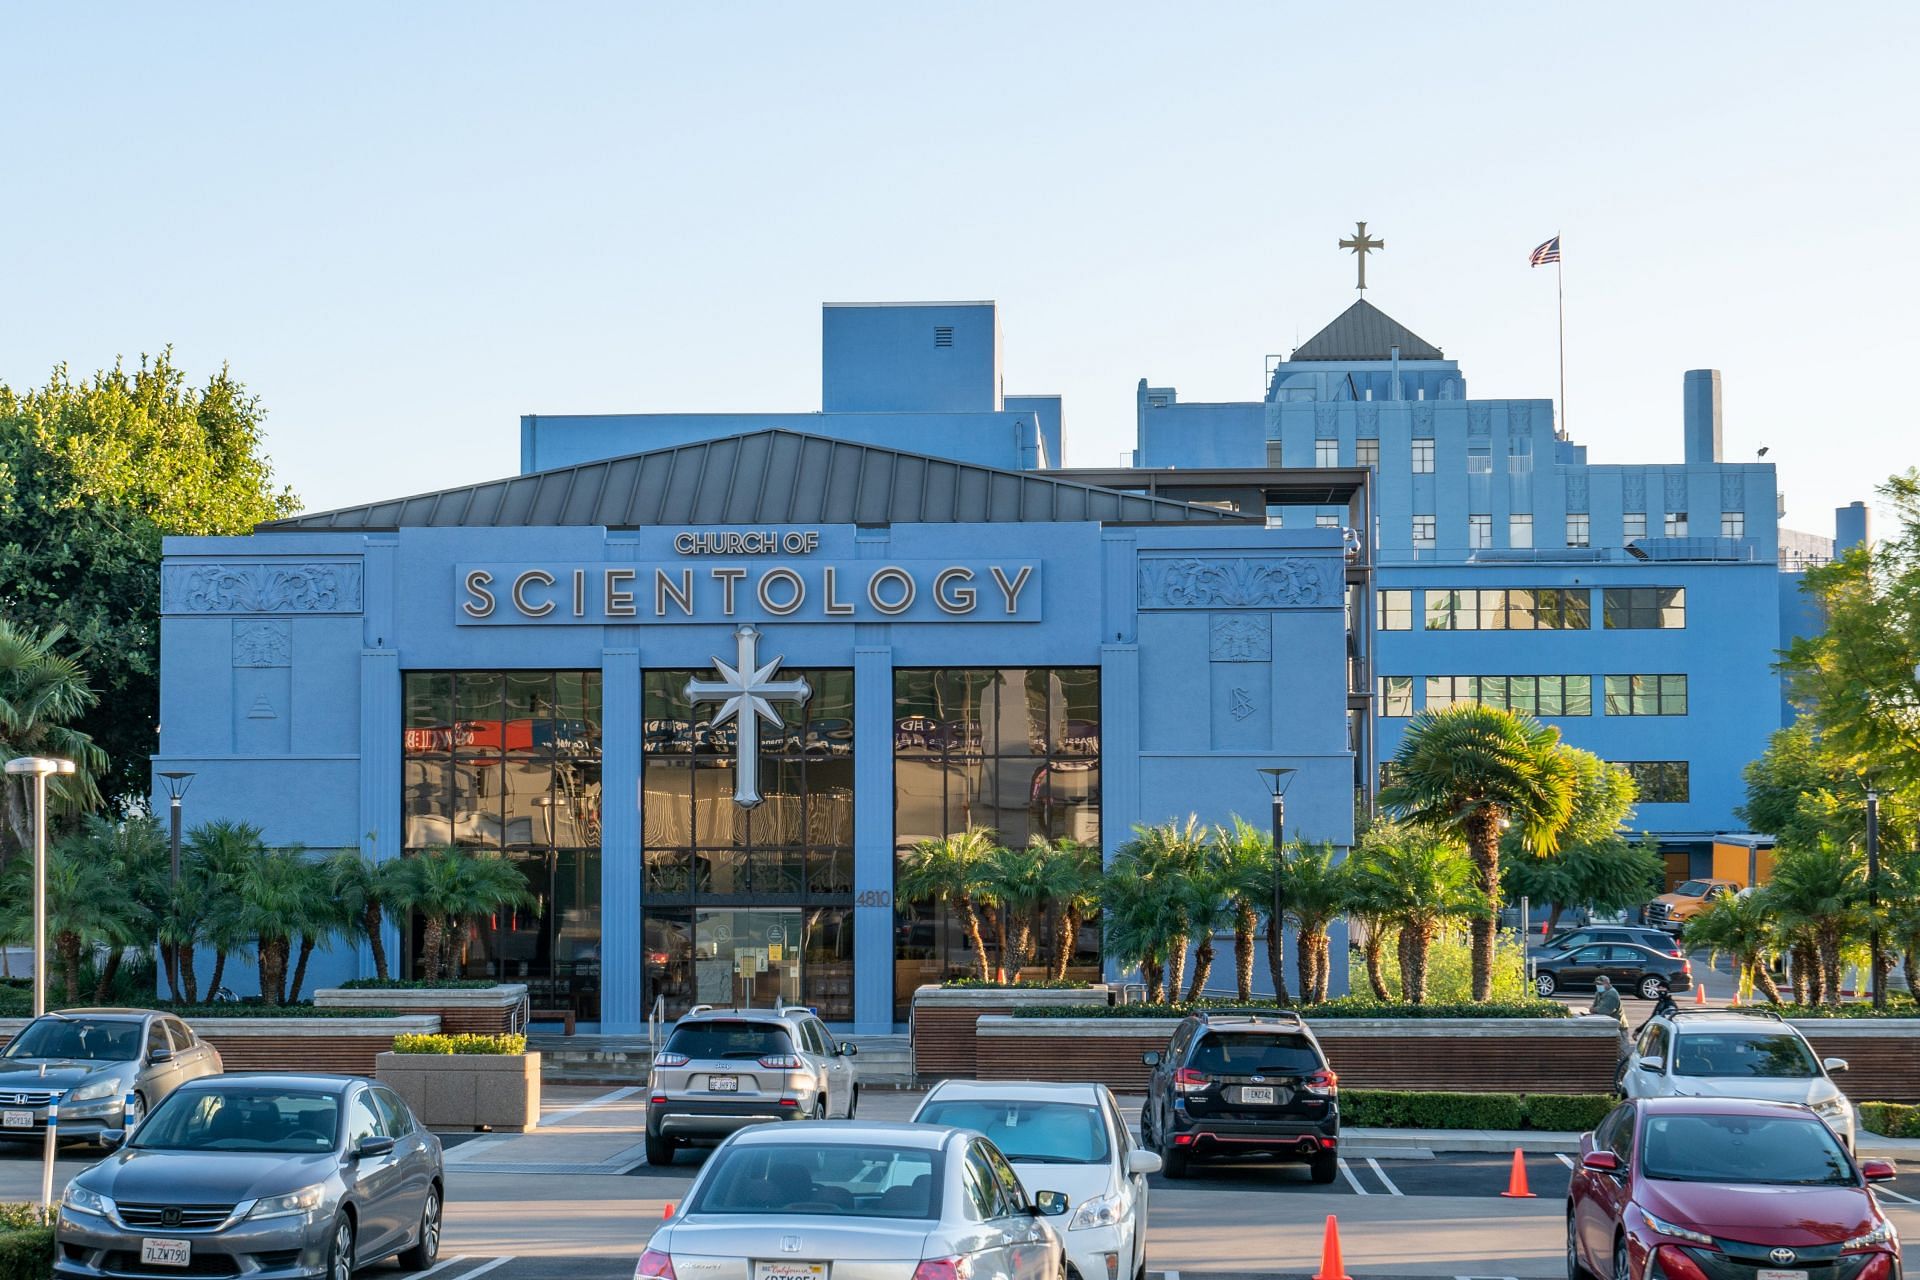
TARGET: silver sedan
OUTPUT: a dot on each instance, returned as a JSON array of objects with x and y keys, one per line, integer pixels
[
  {"x": 107, "y": 1068},
  {"x": 865, "y": 1201}
]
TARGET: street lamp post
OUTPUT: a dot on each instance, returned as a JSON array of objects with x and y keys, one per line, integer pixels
[
  {"x": 176, "y": 782},
  {"x": 1277, "y": 781},
  {"x": 39, "y": 768},
  {"x": 1877, "y": 971}
]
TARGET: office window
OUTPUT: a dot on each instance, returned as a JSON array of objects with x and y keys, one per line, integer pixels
[
  {"x": 1423, "y": 533},
  {"x": 1479, "y": 463},
  {"x": 1396, "y": 695},
  {"x": 1733, "y": 524},
  {"x": 1326, "y": 453},
  {"x": 1563, "y": 609},
  {"x": 1509, "y": 609},
  {"x": 1520, "y": 531},
  {"x": 1326, "y": 522},
  {"x": 1646, "y": 695},
  {"x": 1644, "y": 608},
  {"x": 1479, "y": 531},
  {"x": 1366, "y": 453},
  {"x": 1633, "y": 524},
  {"x": 1579, "y": 530},
  {"x": 1659, "y": 781},
  {"x": 1676, "y": 526},
  {"x": 1422, "y": 456},
  {"x": 1395, "y": 607},
  {"x": 1531, "y": 695}
]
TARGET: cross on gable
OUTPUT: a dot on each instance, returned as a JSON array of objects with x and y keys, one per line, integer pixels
[
  {"x": 746, "y": 692},
  {"x": 1362, "y": 244}
]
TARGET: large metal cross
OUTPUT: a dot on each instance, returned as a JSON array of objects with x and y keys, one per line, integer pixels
[
  {"x": 746, "y": 692},
  {"x": 1362, "y": 245}
]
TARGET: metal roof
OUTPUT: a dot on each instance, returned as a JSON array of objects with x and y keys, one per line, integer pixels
[
  {"x": 1365, "y": 332},
  {"x": 772, "y": 476}
]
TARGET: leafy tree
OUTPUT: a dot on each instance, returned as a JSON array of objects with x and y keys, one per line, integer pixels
[
  {"x": 1419, "y": 881},
  {"x": 452, "y": 888},
  {"x": 43, "y": 693},
  {"x": 1745, "y": 930},
  {"x": 1245, "y": 856},
  {"x": 1169, "y": 854},
  {"x": 1073, "y": 888},
  {"x": 364, "y": 889},
  {"x": 1594, "y": 865},
  {"x": 216, "y": 859},
  {"x": 1017, "y": 881},
  {"x": 134, "y": 851},
  {"x": 1318, "y": 891},
  {"x": 93, "y": 474},
  {"x": 946, "y": 871},
  {"x": 1802, "y": 792},
  {"x": 1819, "y": 897},
  {"x": 1900, "y": 908},
  {"x": 1476, "y": 768}
]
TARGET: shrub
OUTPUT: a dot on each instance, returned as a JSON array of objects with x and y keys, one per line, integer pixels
[
  {"x": 1341, "y": 1007},
  {"x": 21, "y": 1215},
  {"x": 465, "y": 1043},
  {"x": 26, "y": 1253},
  {"x": 1890, "y": 1119},
  {"x": 1398, "y": 1109},
  {"x": 416, "y": 984},
  {"x": 1897, "y": 1007},
  {"x": 976, "y": 984}
]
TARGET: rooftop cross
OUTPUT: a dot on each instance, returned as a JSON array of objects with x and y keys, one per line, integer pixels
[
  {"x": 743, "y": 692},
  {"x": 1362, "y": 245}
]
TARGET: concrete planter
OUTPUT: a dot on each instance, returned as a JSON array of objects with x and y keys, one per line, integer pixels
[
  {"x": 944, "y": 1017},
  {"x": 345, "y": 1045},
  {"x": 1883, "y": 1055},
  {"x": 495, "y": 1010},
  {"x": 466, "y": 1090}
]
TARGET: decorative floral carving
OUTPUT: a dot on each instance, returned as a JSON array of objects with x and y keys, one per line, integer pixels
[
  {"x": 1241, "y": 637},
  {"x": 1479, "y": 418},
  {"x": 1369, "y": 418},
  {"x": 262, "y": 644},
  {"x": 1422, "y": 418},
  {"x": 1633, "y": 491},
  {"x": 1676, "y": 491},
  {"x": 310, "y": 587},
  {"x": 1733, "y": 491},
  {"x": 1246, "y": 582},
  {"x": 1519, "y": 418},
  {"x": 1326, "y": 421},
  {"x": 1577, "y": 491}
]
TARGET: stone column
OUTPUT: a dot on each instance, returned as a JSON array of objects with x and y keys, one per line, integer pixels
[
  {"x": 873, "y": 839},
  {"x": 622, "y": 944}
]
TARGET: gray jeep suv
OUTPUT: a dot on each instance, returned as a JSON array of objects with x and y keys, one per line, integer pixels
[{"x": 725, "y": 1069}]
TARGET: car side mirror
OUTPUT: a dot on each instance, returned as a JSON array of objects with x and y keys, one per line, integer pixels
[
  {"x": 849, "y": 1050},
  {"x": 1834, "y": 1064},
  {"x": 1878, "y": 1170},
  {"x": 1049, "y": 1204},
  {"x": 370, "y": 1147},
  {"x": 1151, "y": 1059},
  {"x": 110, "y": 1139},
  {"x": 1139, "y": 1161},
  {"x": 1655, "y": 1065},
  {"x": 158, "y": 1056},
  {"x": 1601, "y": 1162}
]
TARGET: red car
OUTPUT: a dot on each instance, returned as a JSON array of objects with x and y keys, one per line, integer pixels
[{"x": 1724, "y": 1189}]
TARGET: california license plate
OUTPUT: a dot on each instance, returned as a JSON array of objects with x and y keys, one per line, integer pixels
[
  {"x": 789, "y": 1271},
  {"x": 166, "y": 1253},
  {"x": 1255, "y": 1095},
  {"x": 723, "y": 1084},
  {"x": 17, "y": 1120},
  {"x": 1766, "y": 1274}
]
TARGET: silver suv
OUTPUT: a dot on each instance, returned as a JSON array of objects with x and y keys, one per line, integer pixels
[{"x": 725, "y": 1069}]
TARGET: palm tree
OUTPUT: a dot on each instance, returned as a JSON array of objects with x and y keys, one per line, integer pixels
[
  {"x": 41, "y": 693},
  {"x": 1744, "y": 930},
  {"x": 1419, "y": 880},
  {"x": 1820, "y": 897},
  {"x": 1205, "y": 903},
  {"x": 1244, "y": 854},
  {"x": 451, "y": 888},
  {"x": 133, "y": 850},
  {"x": 365, "y": 889},
  {"x": 1016, "y": 881},
  {"x": 275, "y": 901},
  {"x": 1073, "y": 890},
  {"x": 1169, "y": 855},
  {"x": 1900, "y": 905},
  {"x": 217, "y": 858},
  {"x": 1136, "y": 924},
  {"x": 324, "y": 920},
  {"x": 1478, "y": 769},
  {"x": 1318, "y": 891},
  {"x": 945, "y": 871},
  {"x": 85, "y": 908}
]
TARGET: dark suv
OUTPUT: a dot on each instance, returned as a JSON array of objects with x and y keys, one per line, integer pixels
[
  {"x": 1236, "y": 1082},
  {"x": 1571, "y": 939}
]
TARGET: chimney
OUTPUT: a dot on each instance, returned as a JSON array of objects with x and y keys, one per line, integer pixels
[
  {"x": 1701, "y": 406},
  {"x": 1852, "y": 527}
]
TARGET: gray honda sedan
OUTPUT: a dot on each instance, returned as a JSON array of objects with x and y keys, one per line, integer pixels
[
  {"x": 265, "y": 1176},
  {"x": 107, "y": 1067}
]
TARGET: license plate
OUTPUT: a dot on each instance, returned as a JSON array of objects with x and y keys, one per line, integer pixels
[
  {"x": 166, "y": 1253},
  {"x": 1766, "y": 1274},
  {"x": 724, "y": 1084},
  {"x": 17, "y": 1120},
  {"x": 1253, "y": 1094},
  {"x": 789, "y": 1271}
]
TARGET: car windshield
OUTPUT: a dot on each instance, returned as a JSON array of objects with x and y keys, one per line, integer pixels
[
  {"x": 1693, "y": 889},
  {"x": 1041, "y": 1132},
  {"x": 825, "y": 1179},
  {"x": 730, "y": 1040},
  {"x": 282, "y": 1121},
  {"x": 1253, "y": 1053},
  {"x": 1779, "y": 1055},
  {"x": 1785, "y": 1151},
  {"x": 79, "y": 1039}
]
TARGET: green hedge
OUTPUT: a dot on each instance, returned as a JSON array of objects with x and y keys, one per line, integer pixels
[
  {"x": 976, "y": 984},
  {"x": 1897, "y": 1007},
  {"x": 26, "y": 1243},
  {"x": 1890, "y": 1119},
  {"x": 468, "y": 1043},
  {"x": 1398, "y": 1109},
  {"x": 416, "y": 984},
  {"x": 1344, "y": 1007}
]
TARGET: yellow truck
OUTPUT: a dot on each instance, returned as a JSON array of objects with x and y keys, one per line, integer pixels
[{"x": 1671, "y": 911}]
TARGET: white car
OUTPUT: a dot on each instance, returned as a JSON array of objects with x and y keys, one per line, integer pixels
[
  {"x": 1069, "y": 1137},
  {"x": 1720, "y": 1053}
]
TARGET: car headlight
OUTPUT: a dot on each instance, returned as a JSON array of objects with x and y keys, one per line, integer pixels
[
  {"x": 1834, "y": 1106},
  {"x": 1101, "y": 1211},
  {"x": 1666, "y": 1228},
  {"x": 294, "y": 1203},
  {"x": 1882, "y": 1234},
  {"x": 97, "y": 1089},
  {"x": 81, "y": 1200}
]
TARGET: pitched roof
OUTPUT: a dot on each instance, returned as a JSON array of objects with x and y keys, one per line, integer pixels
[
  {"x": 1365, "y": 332},
  {"x": 772, "y": 476}
]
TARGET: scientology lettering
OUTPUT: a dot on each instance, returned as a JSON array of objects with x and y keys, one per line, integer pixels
[{"x": 862, "y": 591}]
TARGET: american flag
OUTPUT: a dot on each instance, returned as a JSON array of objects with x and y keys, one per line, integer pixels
[{"x": 1548, "y": 252}]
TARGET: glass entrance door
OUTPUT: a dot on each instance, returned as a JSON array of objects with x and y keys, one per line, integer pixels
[{"x": 747, "y": 959}]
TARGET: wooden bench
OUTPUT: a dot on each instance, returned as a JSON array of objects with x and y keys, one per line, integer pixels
[{"x": 562, "y": 1016}]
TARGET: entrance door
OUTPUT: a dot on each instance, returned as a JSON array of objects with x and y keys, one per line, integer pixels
[{"x": 746, "y": 958}]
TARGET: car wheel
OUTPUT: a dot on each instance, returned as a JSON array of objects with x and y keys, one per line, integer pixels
[
  {"x": 659, "y": 1150},
  {"x": 1545, "y": 984},
  {"x": 1146, "y": 1126},
  {"x": 1574, "y": 1270},
  {"x": 1325, "y": 1168},
  {"x": 340, "y": 1250},
  {"x": 1173, "y": 1161},
  {"x": 820, "y": 1107},
  {"x": 1622, "y": 1268},
  {"x": 1650, "y": 988},
  {"x": 853, "y": 1102},
  {"x": 427, "y": 1247}
]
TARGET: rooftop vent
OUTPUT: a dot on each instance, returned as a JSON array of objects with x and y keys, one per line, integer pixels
[{"x": 943, "y": 335}]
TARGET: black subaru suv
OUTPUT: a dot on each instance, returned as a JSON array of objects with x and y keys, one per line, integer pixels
[{"x": 1239, "y": 1082}]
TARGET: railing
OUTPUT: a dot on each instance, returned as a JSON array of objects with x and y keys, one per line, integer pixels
[{"x": 656, "y": 1025}]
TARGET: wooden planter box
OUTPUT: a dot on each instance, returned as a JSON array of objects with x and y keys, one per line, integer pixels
[
  {"x": 496, "y": 1010},
  {"x": 1883, "y": 1055},
  {"x": 1474, "y": 1055},
  {"x": 345, "y": 1045},
  {"x": 466, "y": 1090},
  {"x": 944, "y": 1017}
]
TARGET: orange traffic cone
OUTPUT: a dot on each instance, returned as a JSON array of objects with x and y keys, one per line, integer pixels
[
  {"x": 666, "y": 1210},
  {"x": 1517, "y": 1180},
  {"x": 1331, "y": 1267},
  {"x": 1699, "y": 993},
  {"x": 1543, "y": 928}
]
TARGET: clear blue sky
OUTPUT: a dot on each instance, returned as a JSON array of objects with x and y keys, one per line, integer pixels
[{"x": 405, "y": 225}]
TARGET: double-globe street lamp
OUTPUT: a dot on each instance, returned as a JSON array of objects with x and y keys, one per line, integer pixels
[{"x": 39, "y": 768}]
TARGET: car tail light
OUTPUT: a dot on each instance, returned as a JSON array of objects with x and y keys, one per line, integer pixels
[
  {"x": 671, "y": 1060},
  {"x": 1674, "y": 1264},
  {"x": 943, "y": 1269},
  {"x": 654, "y": 1265},
  {"x": 1322, "y": 1083},
  {"x": 1187, "y": 1080},
  {"x": 782, "y": 1062}
]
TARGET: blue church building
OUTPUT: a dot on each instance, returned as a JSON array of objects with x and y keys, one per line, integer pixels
[{"x": 704, "y": 677}]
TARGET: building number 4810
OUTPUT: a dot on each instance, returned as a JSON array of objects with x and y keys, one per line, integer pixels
[{"x": 873, "y": 898}]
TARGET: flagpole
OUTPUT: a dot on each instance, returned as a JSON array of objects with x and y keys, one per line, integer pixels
[{"x": 1560, "y": 294}]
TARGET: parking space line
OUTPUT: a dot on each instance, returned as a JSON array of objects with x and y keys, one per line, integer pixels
[
  {"x": 1381, "y": 1174},
  {"x": 442, "y": 1265},
  {"x": 1351, "y": 1180},
  {"x": 482, "y": 1270},
  {"x": 589, "y": 1105},
  {"x": 1888, "y": 1191},
  {"x": 1564, "y": 1158}
]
